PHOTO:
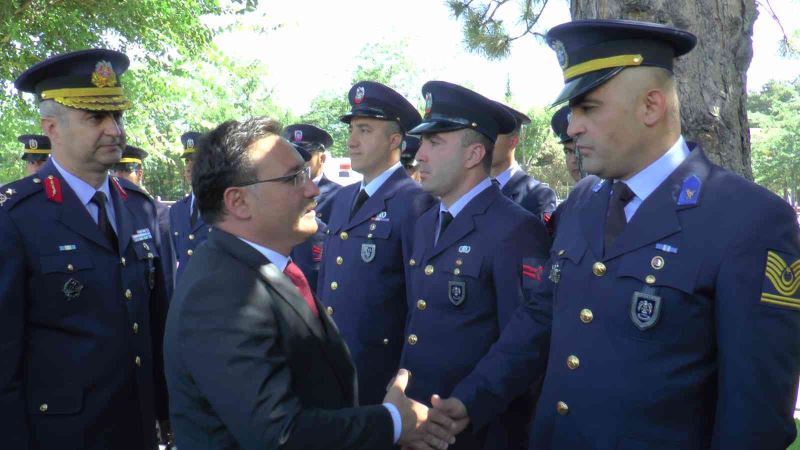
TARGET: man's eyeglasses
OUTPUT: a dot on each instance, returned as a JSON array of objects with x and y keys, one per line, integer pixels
[{"x": 298, "y": 178}]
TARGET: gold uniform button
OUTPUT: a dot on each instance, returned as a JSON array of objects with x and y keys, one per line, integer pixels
[
  {"x": 150, "y": 256},
  {"x": 343, "y": 235},
  {"x": 586, "y": 315},
  {"x": 412, "y": 339},
  {"x": 135, "y": 328},
  {"x": 456, "y": 271},
  {"x": 650, "y": 279},
  {"x": 145, "y": 246},
  {"x": 122, "y": 261},
  {"x": 412, "y": 262},
  {"x": 429, "y": 270},
  {"x": 176, "y": 233},
  {"x": 329, "y": 310},
  {"x": 334, "y": 285},
  {"x": 70, "y": 268},
  {"x": 138, "y": 361},
  {"x": 191, "y": 237},
  {"x": 599, "y": 269},
  {"x": 562, "y": 408},
  {"x": 573, "y": 362},
  {"x": 190, "y": 252},
  {"x": 369, "y": 236},
  {"x": 421, "y": 305},
  {"x": 385, "y": 341},
  {"x": 339, "y": 260},
  {"x": 37, "y": 181},
  {"x": 561, "y": 252},
  {"x": 43, "y": 406},
  {"x": 128, "y": 294}
]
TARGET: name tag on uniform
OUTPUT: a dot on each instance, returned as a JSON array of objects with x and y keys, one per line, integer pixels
[
  {"x": 67, "y": 247},
  {"x": 142, "y": 235}
]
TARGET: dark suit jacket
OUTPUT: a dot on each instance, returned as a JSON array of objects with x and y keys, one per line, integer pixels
[
  {"x": 250, "y": 367},
  {"x": 531, "y": 194},
  {"x": 327, "y": 189}
]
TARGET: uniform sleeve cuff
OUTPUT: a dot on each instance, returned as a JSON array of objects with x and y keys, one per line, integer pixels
[{"x": 397, "y": 421}]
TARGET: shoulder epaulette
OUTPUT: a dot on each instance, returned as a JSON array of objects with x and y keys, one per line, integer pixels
[
  {"x": 16, "y": 191},
  {"x": 125, "y": 187}
]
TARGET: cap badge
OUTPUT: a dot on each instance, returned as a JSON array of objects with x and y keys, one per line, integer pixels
[
  {"x": 428, "y": 102},
  {"x": 298, "y": 135},
  {"x": 104, "y": 75},
  {"x": 359, "y": 95},
  {"x": 561, "y": 53},
  {"x": 33, "y": 144}
]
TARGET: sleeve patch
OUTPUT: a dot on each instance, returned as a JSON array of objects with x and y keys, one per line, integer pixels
[
  {"x": 781, "y": 280},
  {"x": 532, "y": 272}
]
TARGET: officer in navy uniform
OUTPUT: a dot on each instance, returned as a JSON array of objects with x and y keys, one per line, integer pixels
[
  {"x": 362, "y": 281},
  {"x": 186, "y": 225},
  {"x": 559, "y": 123},
  {"x": 523, "y": 189},
  {"x": 82, "y": 299},
  {"x": 308, "y": 255},
  {"x": 36, "y": 152},
  {"x": 408, "y": 153},
  {"x": 315, "y": 141},
  {"x": 667, "y": 318},
  {"x": 470, "y": 254},
  {"x": 131, "y": 167}
]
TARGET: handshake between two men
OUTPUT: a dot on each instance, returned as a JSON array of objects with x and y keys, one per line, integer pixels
[{"x": 425, "y": 428}]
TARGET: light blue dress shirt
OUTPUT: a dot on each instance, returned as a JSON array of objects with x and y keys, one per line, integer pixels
[
  {"x": 462, "y": 202},
  {"x": 85, "y": 192}
]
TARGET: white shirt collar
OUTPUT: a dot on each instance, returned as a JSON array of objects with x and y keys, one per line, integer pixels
[
  {"x": 318, "y": 179},
  {"x": 462, "y": 202},
  {"x": 376, "y": 184},
  {"x": 647, "y": 180},
  {"x": 82, "y": 189},
  {"x": 505, "y": 176},
  {"x": 274, "y": 257}
]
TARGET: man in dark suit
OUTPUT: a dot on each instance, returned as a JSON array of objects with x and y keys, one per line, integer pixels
[
  {"x": 81, "y": 291},
  {"x": 251, "y": 361},
  {"x": 533, "y": 195},
  {"x": 186, "y": 224},
  {"x": 316, "y": 142},
  {"x": 666, "y": 319}
]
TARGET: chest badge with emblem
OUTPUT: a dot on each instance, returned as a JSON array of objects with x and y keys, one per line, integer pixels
[
  {"x": 645, "y": 308},
  {"x": 555, "y": 272},
  {"x": 367, "y": 252},
  {"x": 456, "y": 292},
  {"x": 72, "y": 289}
]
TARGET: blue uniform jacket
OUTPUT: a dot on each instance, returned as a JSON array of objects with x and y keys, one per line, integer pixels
[
  {"x": 81, "y": 324},
  {"x": 531, "y": 194},
  {"x": 308, "y": 255},
  {"x": 185, "y": 237},
  {"x": 671, "y": 338},
  {"x": 362, "y": 277},
  {"x": 462, "y": 292},
  {"x": 327, "y": 189}
]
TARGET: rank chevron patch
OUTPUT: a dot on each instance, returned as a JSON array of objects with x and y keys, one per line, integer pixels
[{"x": 781, "y": 280}]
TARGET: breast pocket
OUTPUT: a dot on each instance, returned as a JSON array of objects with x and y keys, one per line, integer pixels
[
  {"x": 657, "y": 300},
  {"x": 562, "y": 272},
  {"x": 63, "y": 284},
  {"x": 459, "y": 282}
]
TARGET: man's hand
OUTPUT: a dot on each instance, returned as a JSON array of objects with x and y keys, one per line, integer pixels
[
  {"x": 415, "y": 434},
  {"x": 450, "y": 413}
]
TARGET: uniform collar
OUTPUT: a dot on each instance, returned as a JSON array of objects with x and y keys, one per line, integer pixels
[
  {"x": 505, "y": 176},
  {"x": 462, "y": 202},
  {"x": 376, "y": 184},
  {"x": 647, "y": 180},
  {"x": 274, "y": 257},
  {"x": 83, "y": 190}
]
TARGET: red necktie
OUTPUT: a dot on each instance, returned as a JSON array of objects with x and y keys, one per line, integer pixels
[{"x": 299, "y": 280}]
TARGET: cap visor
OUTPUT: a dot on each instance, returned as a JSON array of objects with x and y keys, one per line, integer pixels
[
  {"x": 585, "y": 83},
  {"x": 436, "y": 126}
]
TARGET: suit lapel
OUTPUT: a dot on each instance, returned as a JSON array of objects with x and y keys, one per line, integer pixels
[
  {"x": 593, "y": 217},
  {"x": 124, "y": 220},
  {"x": 657, "y": 216},
  {"x": 512, "y": 189},
  {"x": 464, "y": 222},
  {"x": 377, "y": 202},
  {"x": 72, "y": 212}
]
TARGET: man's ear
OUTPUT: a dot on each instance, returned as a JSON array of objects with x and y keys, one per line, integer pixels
[
  {"x": 654, "y": 107},
  {"x": 474, "y": 155},
  {"x": 396, "y": 141},
  {"x": 50, "y": 128},
  {"x": 235, "y": 201},
  {"x": 514, "y": 141}
]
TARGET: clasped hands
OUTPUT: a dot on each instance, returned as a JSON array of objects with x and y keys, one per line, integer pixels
[{"x": 426, "y": 428}]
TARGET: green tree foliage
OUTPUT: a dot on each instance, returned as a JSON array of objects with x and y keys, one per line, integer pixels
[
  {"x": 486, "y": 23},
  {"x": 540, "y": 154},
  {"x": 775, "y": 120}
]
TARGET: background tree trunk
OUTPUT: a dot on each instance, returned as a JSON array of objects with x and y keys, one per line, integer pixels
[{"x": 713, "y": 77}]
